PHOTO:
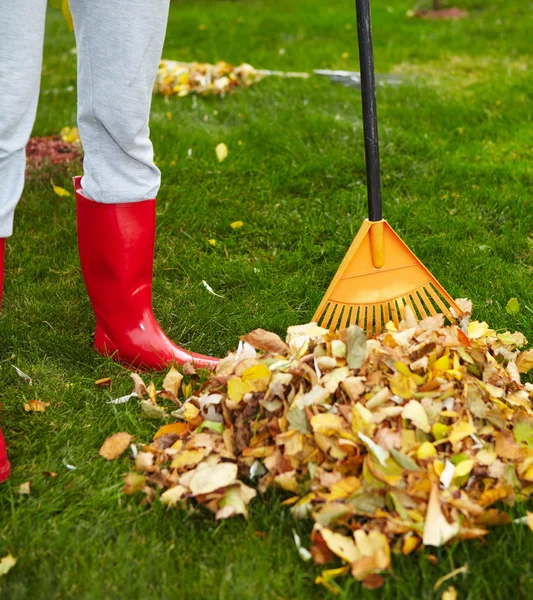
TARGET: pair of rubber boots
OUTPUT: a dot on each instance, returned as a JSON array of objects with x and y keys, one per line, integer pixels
[{"x": 116, "y": 247}]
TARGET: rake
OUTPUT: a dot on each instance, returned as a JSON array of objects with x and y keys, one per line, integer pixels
[{"x": 379, "y": 275}]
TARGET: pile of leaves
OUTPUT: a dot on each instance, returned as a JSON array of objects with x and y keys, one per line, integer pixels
[
  {"x": 387, "y": 444},
  {"x": 175, "y": 78},
  {"x": 54, "y": 150}
]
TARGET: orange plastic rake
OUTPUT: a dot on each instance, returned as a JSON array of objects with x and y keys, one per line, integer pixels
[{"x": 379, "y": 275}]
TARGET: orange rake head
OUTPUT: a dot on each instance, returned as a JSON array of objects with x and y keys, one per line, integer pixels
[{"x": 377, "y": 278}]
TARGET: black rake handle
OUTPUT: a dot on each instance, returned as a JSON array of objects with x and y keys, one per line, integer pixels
[{"x": 370, "y": 117}]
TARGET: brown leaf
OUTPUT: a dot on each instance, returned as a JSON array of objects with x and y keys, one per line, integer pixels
[
  {"x": 35, "y": 406},
  {"x": 265, "y": 341},
  {"x": 139, "y": 385},
  {"x": 373, "y": 581},
  {"x": 115, "y": 445},
  {"x": 105, "y": 382},
  {"x": 188, "y": 369}
]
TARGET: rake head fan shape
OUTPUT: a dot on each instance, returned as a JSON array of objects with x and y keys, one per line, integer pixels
[{"x": 379, "y": 275}]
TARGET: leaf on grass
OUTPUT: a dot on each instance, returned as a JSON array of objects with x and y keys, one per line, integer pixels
[
  {"x": 139, "y": 385},
  {"x": 449, "y": 594},
  {"x": 24, "y": 488},
  {"x": 133, "y": 482},
  {"x": 188, "y": 369},
  {"x": 104, "y": 382},
  {"x": 513, "y": 306},
  {"x": 265, "y": 341},
  {"x": 35, "y": 406},
  {"x": 344, "y": 547},
  {"x": 62, "y": 192},
  {"x": 7, "y": 562},
  {"x": 236, "y": 224},
  {"x": 221, "y": 152},
  {"x": 23, "y": 375},
  {"x": 115, "y": 445}
]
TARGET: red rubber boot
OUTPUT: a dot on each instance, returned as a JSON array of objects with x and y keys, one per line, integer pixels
[
  {"x": 116, "y": 246},
  {"x": 4, "y": 463},
  {"x": 2, "y": 248}
]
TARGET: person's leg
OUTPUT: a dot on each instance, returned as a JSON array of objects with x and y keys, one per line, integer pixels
[
  {"x": 21, "y": 56},
  {"x": 119, "y": 48}
]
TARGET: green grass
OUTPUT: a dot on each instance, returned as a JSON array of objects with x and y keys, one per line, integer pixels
[{"x": 457, "y": 176}]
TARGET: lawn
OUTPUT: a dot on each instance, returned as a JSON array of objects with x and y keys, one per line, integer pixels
[{"x": 457, "y": 176}]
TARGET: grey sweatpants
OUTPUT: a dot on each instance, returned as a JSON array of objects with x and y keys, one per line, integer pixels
[{"x": 119, "y": 45}]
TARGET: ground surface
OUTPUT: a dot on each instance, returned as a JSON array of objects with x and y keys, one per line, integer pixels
[{"x": 457, "y": 175}]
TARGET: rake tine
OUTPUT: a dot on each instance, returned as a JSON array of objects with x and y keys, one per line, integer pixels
[
  {"x": 440, "y": 304},
  {"x": 362, "y": 316},
  {"x": 353, "y": 316},
  {"x": 394, "y": 313},
  {"x": 419, "y": 305},
  {"x": 345, "y": 316},
  {"x": 427, "y": 302},
  {"x": 327, "y": 316},
  {"x": 369, "y": 319}
]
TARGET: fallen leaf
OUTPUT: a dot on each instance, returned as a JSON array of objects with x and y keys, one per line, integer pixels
[
  {"x": 172, "y": 381},
  {"x": 115, "y": 445},
  {"x": 355, "y": 347},
  {"x": 449, "y": 594},
  {"x": 437, "y": 530},
  {"x": 7, "y": 562},
  {"x": 210, "y": 289},
  {"x": 210, "y": 479},
  {"x": 513, "y": 306},
  {"x": 35, "y": 406},
  {"x": 221, "y": 152},
  {"x": 62, "y": 192},
  {"x": 24, "y": 488},
  {"x": 265, "y": 341}
]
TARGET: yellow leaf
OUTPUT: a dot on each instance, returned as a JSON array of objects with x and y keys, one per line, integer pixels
[
  {"x": 177, "y": 428},
  {"x": 258, "y": 377},
  {"x": 326, "y": 576},
  {"x": 462, "y": 471},
  {"x": 327, "y": 424},
  {"x": 236, "y": 224},
  {"x": 410, "y": 543},
  {"x": 524, "y": 362},
  {"x": 416, "y": 413},
  {"x": 7, "y": 562},
  {"x": 237, "y": 388},
  {"x": 449, "y": 594},
  {"x": 459, "y": 431},
  {"x": 212, "y": 242},
  {"x": 530, "y": 520},
  {"x": 190, "y": 412},
  {"x": 344, "y": 547},
  {"x": 188, "y": 458},
  {"x": 426, "y": 450},
  {"x": 343, "y": 488},
  {"x": 477, "y": 330},
  {"x": 437, "y": 530},
  {"x": 61, "y": 191},
  {"x": 222, "y": 152}
]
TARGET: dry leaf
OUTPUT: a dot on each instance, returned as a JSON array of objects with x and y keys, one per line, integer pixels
[
  {"x": 173, "y": 381},
  {"x": 62, "y": 192},
  {"x": 115, "y": 445},
  {"x": 104, "y": 382},
  {"x": 265, "y": 341},
  {"x": 35, "y": 406}
]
